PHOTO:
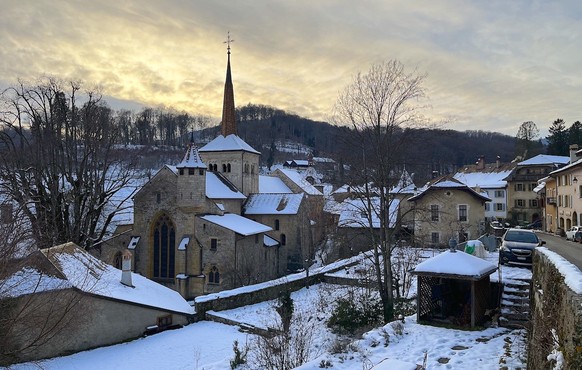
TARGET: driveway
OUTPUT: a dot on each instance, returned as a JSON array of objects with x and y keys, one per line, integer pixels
[{"x": 567, "y": 249}]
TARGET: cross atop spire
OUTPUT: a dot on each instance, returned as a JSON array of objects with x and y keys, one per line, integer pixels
[
  {"x": 228, "y": 111},
  {"x": 227, "y": 42}
]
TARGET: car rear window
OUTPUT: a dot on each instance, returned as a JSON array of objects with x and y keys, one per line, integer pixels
[{"x": 521, "y": 236}]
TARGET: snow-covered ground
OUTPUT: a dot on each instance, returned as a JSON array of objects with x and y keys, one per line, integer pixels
[{"x": 209, "y": 345}]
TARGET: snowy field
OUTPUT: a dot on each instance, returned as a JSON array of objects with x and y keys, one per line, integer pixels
[{"x": 208, "y": 345}]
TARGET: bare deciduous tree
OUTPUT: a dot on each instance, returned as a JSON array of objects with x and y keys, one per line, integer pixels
[
  {"x": 380, "y": 106},
  {"x": 57, "y": 162}
]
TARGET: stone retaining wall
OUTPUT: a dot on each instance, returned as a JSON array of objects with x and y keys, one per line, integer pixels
[
  {"x": 265, "y": 293},
  {"x": 555, "y": 308}
]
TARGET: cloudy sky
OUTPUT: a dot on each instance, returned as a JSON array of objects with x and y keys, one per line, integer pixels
[{"x": 490, "y": 65}]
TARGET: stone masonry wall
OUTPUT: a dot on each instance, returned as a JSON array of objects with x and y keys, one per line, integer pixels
[{"x": 555, "y": 308}]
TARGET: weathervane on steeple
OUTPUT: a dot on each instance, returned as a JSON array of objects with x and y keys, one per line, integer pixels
[{"x": 228, "y": 41}]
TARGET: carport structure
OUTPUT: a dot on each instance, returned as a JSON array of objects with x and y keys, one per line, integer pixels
[{"x": 453, "y": 288}]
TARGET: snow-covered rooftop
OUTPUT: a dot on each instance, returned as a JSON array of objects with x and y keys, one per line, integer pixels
[
  {"x": 191, "y": 159},
  {"x": 568, "y": 167},
  {"x": 449, "y": 183},
  {"x": 323, "y": 160},
  {"x": 272, "y": 184},
  {"x": 354, "y": 213},
  {"x": 218, "y": 187},
  {"x": 30, "y": 280},
  {"x": 298, "y": 179},
  {"x": 239, "y": 224},
  {"x": 227, "y": 144},
  {"x": 486, "y": 180},
  {"x": 91, "y": 275},
  {"x": 545, "y": 159},
  {"x": 273, "y": 204},
  {"x": 456, "y": 263}
]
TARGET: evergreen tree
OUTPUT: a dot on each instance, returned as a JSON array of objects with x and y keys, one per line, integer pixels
[
  {"x": 558, "y": 138},
  {"x": 575, "y": 134}
]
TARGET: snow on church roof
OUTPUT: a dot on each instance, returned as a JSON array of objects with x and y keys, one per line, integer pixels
[
  {"x": 273, "y": 204},
  {"x": 191, "y": 159},
  {"x": 272, "y": 184},
  {"x": 239, "y": 224},
  {"x": 229, "y": 143},
  {"x": 298, "y": 179},
  {"x": 93, "y": 276},
  {"x": 456, "y": 263},
  {"x": 218, "y": 187}
]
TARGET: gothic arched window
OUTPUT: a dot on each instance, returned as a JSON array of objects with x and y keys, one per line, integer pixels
[
  {"x": 164, "y": 242},
  {"x": 223, "y": 167},
  {"x": 214, "y": 275},
  {"x": 228, "y": 167}
]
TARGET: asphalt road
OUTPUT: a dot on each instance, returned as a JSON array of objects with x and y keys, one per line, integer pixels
[{"x": 567, "y": 249}]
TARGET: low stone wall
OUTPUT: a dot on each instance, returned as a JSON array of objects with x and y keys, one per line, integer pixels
[
  {"x": 265, "y": 332},
  {"x": 263, "y": 292},
  {"x": 556, "y": 314}
]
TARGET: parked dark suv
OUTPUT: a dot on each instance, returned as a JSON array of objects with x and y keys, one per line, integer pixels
[{"x": 517, "y": 247}]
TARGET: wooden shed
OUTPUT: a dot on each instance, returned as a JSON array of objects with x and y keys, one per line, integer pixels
[{"x": 453, "y": 288}]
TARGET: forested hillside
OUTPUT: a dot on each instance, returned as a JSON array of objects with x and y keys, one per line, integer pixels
[{"x": 265, "y": 128}]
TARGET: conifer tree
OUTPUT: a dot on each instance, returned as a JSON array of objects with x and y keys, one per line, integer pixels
[{"x": 558, "y": 138}]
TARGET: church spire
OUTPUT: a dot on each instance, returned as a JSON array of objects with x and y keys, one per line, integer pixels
[{"x": 228, "y": 113}]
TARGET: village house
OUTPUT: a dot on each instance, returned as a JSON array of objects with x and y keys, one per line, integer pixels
[
  {"x": 489, "y": 178},
  {"x": 524, "y": 205},
  {"x": 447, "y": 209},
  {"x": 568, "y": 195},
  {"x": 63, "y": 300},
  {"x": 212, "y": 223},
  {"x": 547, "y": 192}
]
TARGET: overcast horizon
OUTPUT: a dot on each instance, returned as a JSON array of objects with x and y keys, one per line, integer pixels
[{"x": 489, "y": 65}]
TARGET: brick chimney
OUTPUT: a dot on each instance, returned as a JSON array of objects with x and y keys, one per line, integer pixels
[
  {"x": 573, "y": 150},
  {"x": 126, "y": 269}
]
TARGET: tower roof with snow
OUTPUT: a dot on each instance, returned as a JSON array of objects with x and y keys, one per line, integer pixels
[
  {"x": 191, "y": 158},
  {"x": 229, "y": 143},
  {"x": 405, "y": 184}
]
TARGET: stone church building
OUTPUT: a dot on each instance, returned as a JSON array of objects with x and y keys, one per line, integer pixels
[{"x": 212, "y": 223}]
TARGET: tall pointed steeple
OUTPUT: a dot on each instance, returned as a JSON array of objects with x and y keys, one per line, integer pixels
[{"x": 228, "y": 113}]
